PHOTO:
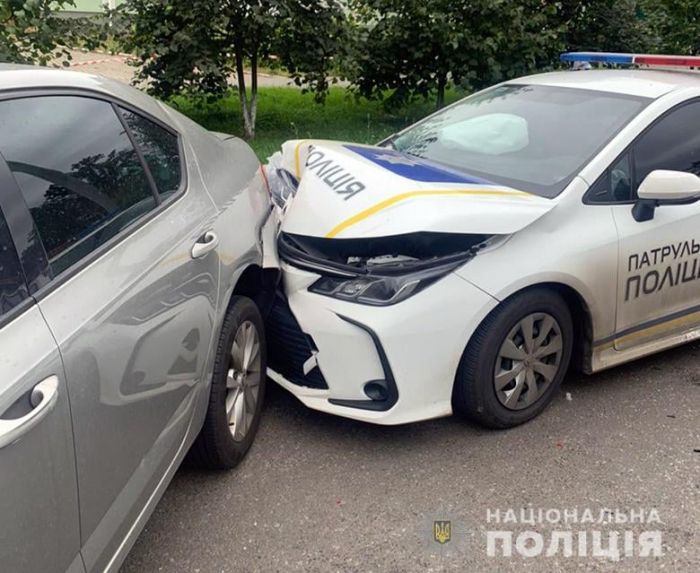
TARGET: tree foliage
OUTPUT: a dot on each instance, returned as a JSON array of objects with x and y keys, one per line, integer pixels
[
  {"x": 415, "y": 47},
  {"x": 411, "y": 48},
  {"x": 200, "y": 46},
  {"x": 674, "y": 24},
  {"x": 393, "y": 49},
  {"x": 32, "y": 33},
  {"x": 311, "y": 41},
  {"x": 605, "y": 25}
]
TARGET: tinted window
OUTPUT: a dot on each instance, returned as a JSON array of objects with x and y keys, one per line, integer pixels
[
  {"x": 80, "y": 176},
  {"x": 672, "y": 143},
  {"x": 160, "y": 149},
  {"x": 615, "y": 185},
  {"x": 535, "y": 138},
  {"x": 12, "y": 286}
]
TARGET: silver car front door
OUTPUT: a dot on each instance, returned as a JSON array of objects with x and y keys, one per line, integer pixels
[
  {"x": 39, "y": 528},
  {"x": 132, "y": 302}
]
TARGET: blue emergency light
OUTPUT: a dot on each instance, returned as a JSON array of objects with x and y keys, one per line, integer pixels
[{"x": 631, "y": 59}]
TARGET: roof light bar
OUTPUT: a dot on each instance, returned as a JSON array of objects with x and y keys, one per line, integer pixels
[{"x": 630, "y": 59}]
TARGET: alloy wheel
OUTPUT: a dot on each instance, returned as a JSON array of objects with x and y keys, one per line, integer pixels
[{"x": 243, "y": 380}]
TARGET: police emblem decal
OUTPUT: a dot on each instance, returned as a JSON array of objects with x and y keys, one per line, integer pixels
[{"x": 442, "y": 531}]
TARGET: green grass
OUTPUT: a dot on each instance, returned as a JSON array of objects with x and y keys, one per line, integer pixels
[{"x": 285, "y": 113}]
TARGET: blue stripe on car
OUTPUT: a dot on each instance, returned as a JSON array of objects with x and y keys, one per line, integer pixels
[{"x": 412, "y": 167}]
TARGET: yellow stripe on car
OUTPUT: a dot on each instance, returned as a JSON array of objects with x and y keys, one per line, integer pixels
[
  {"x": 362, "y": 215},
  {"x": 657, "y": 329},
  {"x": 297, "y": 162}
]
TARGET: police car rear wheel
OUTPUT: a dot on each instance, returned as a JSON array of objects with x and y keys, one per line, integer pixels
[{"x": 516, "y": 360}]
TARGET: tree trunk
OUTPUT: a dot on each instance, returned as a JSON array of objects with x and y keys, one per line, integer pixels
[
  {"x": 248, "y": 120},
  {"x": 441, "y": 85},
  {"x": 254, "y": 89}
]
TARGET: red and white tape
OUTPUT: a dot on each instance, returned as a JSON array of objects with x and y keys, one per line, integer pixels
[{"x": 120, "y": 59}]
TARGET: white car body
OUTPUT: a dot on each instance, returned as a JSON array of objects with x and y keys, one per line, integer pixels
[{"x": 628, "y": 283}]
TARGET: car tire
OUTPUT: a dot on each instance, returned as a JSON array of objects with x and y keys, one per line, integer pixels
[
  {"x": 235, "y": 406},
  {"x": 511, "y": 368}
]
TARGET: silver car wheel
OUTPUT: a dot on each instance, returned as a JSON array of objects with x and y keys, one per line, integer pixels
[
  {"x": 243, "y": 380},
  {"x": 528, "y": 361}
]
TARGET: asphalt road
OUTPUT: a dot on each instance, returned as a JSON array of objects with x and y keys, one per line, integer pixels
[{"x": 319, "y": 493}]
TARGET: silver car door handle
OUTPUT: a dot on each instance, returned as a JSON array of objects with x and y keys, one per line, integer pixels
[
  {"x": 43, "y": 399},
  {"x": 206, "y": 243}
]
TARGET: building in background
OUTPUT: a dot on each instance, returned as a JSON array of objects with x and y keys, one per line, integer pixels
[{"x": 91, "y": 6}]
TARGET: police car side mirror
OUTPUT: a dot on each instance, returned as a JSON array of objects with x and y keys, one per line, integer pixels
[
  {"x": 664, "y": 187},
  {"x": 670, "y": 186}
]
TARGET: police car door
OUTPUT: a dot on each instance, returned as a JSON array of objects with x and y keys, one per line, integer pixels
[{"x": 659, "y": 278}]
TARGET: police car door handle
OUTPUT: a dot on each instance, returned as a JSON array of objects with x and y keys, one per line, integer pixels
[
  {"x": 43, "y": 399},
  {"x": 206, "y": 243}
]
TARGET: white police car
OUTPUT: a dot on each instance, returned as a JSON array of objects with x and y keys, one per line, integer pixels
[{"x": 466, "y": 262}]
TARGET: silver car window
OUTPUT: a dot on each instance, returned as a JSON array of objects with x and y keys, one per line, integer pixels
[
  {"x": 160, "y": 149},
  {"x": 12, "y": 285},
  {"x": 77, "y": 169}
]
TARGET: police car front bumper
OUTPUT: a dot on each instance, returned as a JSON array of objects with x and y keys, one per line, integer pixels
[{"x": 385, "y": 365}]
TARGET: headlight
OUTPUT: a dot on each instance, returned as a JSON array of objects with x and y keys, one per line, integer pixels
[{"x": 380, "y": 290}]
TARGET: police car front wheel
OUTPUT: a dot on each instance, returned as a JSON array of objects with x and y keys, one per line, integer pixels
[{"x": 516, "y": 360}]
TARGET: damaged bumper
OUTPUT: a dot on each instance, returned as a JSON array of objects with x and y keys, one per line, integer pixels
[
  {"x": 371, "y": 320},
  {"x": 386, "y": 365}
]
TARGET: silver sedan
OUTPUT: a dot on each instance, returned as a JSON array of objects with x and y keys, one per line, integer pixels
[{"x": 131, "y": 295}]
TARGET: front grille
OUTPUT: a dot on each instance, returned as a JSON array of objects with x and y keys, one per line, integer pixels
[{"x": 289, "y": 348}]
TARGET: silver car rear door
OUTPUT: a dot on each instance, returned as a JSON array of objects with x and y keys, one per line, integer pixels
[
  {"x": 39, "y": 527},
  {"x": 131, "y": 305}
]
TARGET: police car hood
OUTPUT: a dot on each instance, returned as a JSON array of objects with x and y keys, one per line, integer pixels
[{"x": 353, "y": 191}]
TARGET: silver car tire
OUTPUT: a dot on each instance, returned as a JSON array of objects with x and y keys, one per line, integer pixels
[
  {"x": 237, "y": 389},
  {"x": 516, "y": 360}
]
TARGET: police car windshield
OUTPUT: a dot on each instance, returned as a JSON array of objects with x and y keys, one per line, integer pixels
[{"x": 531, "y": 137}]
